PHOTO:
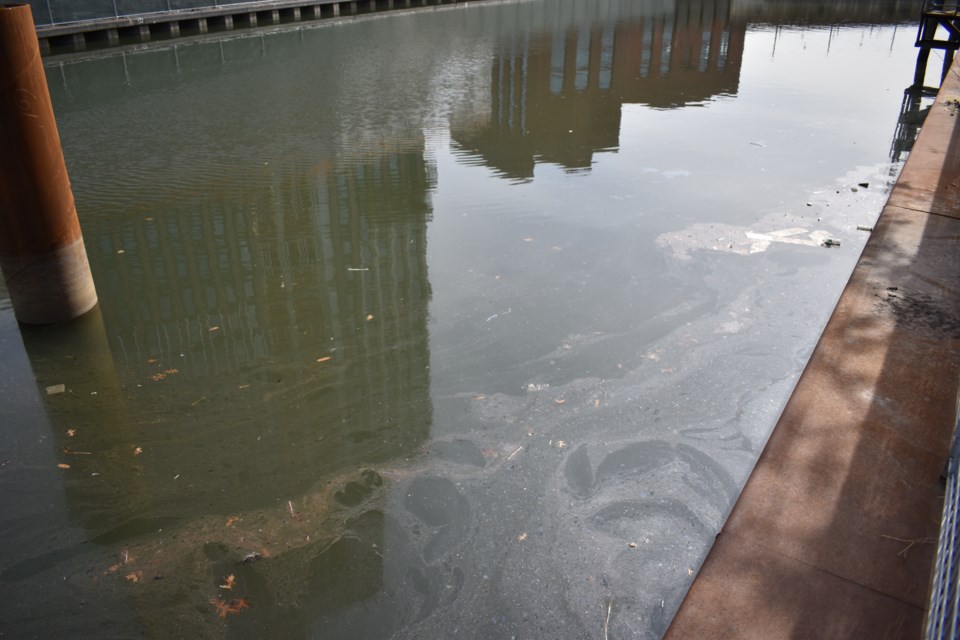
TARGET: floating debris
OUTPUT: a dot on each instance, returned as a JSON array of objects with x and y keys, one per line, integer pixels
[
  {"x": 606, "y": 623},
  {"x": 55, "y": 389},
  {"x": 831, "y": 242},
  {"x": 234, "y": 606}
]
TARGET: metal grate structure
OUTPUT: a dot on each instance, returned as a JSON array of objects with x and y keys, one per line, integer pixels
[
  {"x": 939, "y": 29},
  {"x": 943, "y": 616}
]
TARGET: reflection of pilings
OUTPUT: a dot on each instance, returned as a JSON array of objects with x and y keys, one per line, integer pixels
[
  {"x": 42, "y": 254},
  {"x": 817, "y": 12},
  {"x": 91, "y": 428},
  {"x": 912, "y": 115}
]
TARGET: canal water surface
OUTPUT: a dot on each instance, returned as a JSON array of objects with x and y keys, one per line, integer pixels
[{"x": 465, "y": 322}]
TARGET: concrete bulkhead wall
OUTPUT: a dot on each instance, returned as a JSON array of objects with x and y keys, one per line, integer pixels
[{"x": 163, "y": 25}]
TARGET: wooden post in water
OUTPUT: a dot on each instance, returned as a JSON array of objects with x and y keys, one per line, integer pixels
[{"x": 42, "y": 255}]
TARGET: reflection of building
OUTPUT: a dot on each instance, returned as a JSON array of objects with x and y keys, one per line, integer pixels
[
  {"x": 252, "y": 291},
  {"x": 264, "y": 295},
  {"x": 272, "y": 336},
  {"x": 556, "y": 97},
  {"x": 268, "y": 343}
]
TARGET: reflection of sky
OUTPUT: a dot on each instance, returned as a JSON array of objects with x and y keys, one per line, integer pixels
[
  {"x": 788, "y": 131},
  {"x": 802, "y": 120}
]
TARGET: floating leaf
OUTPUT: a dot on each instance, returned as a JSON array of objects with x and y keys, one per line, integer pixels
[
  {"x": 71, "y": 433},
  {"x": 63, "y": 466},
  {"x": 324, "y": 359},
  {"x": 234, "y": 606}
]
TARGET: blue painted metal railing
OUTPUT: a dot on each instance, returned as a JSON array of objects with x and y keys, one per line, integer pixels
[{"x": 943, "y": 616}]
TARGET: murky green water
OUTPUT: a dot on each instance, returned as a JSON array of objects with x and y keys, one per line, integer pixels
[{"x": 455, "y": 323}]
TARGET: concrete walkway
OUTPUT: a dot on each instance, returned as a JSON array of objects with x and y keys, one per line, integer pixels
[{"x": 834, "y": 535}]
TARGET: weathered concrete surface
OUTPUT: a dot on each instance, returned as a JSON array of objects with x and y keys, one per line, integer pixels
[{"x": 834, "y": 534}]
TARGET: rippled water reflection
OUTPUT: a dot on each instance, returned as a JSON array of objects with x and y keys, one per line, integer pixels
[{"x": 466, "y": 322}]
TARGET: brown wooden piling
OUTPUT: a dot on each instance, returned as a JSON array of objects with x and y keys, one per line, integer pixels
[{"x": 42, "y": 255}]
